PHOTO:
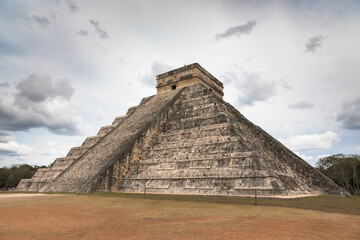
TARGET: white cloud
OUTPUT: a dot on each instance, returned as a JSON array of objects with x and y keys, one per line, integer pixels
[
  {"x": 311, "y": 141},
  {"x": 251, "y": 86},
  {"x": 9, "y": 147},
  {"x": 38, "y": 88},
  {"x": 156, "y": 68},
  {"x": 40, "y": 102},
  {"x": 43, "y": 151},
  {"x": 50, "y": 148},
  {"x": 6, "y": 137},
  {"x": 303, "y": 156},
  {"x": 13, "y": 148}
]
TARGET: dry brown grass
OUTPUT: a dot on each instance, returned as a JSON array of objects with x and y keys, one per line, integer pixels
[{"x": 128, "y": 216}]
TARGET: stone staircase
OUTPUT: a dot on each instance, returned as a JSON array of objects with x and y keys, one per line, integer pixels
[
  {"x": 45, "y": 176},
  {"x": 115, "y": 140}
]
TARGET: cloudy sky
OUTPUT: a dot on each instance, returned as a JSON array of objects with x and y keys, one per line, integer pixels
[{"x": 68, "y": 67}]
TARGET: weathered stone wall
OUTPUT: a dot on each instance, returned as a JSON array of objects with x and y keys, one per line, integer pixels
[
  {"x": 24, "y": 185},
  {"x": 187, "y": 82},
  {"x": 283, "y": 161},
  {"x": 186, "y": 76}
]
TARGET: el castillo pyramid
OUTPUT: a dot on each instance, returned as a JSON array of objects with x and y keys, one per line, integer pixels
[{"x": 183, "y": 140}]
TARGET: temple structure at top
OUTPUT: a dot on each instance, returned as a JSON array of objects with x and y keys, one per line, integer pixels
[{"x": 186, "y": 76}]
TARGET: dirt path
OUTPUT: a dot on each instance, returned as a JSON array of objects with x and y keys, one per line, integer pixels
[
  {"x": 24, "y": 195},
  {"x": 89, "y": 217}
]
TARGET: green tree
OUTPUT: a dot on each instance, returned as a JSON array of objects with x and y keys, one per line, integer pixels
[
  {"x": 4, "y": 174},
  {"x": 343, "y": 170},
  {"x": 10, "y": 177}
]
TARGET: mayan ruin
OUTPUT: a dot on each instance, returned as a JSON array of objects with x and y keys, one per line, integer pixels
[{"x": 184, "y": 140}]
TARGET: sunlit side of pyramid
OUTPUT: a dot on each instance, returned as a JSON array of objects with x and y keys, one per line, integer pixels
[{"x": 183, "y": 140}]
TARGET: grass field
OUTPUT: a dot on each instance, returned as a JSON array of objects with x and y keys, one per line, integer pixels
[{"x": 129, "y": 216}]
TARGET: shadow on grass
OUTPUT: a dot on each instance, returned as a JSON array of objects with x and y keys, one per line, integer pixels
[{"x": 330, "y": 204}]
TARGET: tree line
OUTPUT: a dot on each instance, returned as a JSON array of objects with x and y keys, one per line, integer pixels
[
  {"x": 11, "y": 176},
  {"x": 344, "y": 170}
]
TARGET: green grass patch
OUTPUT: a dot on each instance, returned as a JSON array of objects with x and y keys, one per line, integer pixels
[{"x": 15, "y": 192}]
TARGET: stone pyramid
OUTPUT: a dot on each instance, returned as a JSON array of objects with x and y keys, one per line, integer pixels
[{"x": 183, "y": 140}]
